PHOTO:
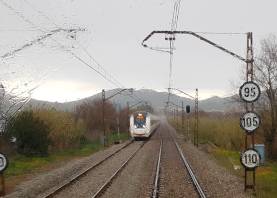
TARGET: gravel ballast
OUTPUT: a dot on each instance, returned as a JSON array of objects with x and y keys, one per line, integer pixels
[
  {"x": 136, "y": 180},
  {"x": 214, "y": 179},
  {"x": 90, "y": 183},
  {"x": 174, "y": 180},
  {"x": 42, "y": 183}
]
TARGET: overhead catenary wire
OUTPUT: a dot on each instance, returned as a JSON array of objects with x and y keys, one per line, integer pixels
[
  {"x": 104, "y": 74},
  {"x": 174, "y": 25},
  {"x": 62, "y": 47},
  {"x": 113, "y": 80}
]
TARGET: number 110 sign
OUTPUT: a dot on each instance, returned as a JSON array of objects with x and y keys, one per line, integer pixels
[{"x": 250, "y": 159}]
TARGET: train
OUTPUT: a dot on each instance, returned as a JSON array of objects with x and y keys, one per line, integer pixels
[{"x": 142, "y": 124}]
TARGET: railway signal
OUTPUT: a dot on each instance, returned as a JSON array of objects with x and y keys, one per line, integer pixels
[
  {"x": 188, "y": 109},
  {"x": 250, "y": 121}
]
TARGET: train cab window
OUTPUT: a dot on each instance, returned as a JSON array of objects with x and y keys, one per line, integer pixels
[{"x": 140, "y": 120}]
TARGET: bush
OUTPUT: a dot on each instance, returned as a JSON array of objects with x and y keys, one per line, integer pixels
[
  {"x": 65, "y": 131},
  {"x": 31, "y": 134}
]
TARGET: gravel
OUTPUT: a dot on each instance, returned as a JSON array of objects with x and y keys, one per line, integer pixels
[
  {"x": 44, "y": 182},
  {"x": 215, "y": 180},
  {"x": 137, "y": 179},
  {"x": 174, "y": 179},
  {"x": 87, "y": 185}
]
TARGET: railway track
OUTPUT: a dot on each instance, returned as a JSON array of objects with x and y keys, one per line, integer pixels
[
  {"x": 106, "y": 185},
  {"x": 61, "y": 187},
  {"x": 197, "y": 187},
  {"x": 157, "y": 175},
  {"x": 109, "y": 181},
  {"x": 190, "y": 171}
]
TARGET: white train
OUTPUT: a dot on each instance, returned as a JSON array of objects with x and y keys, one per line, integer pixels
[{"x": 142, "y": 124}]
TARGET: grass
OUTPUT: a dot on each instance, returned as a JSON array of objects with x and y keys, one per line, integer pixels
[
  {"x": 21, "y": 166},
  {"x": 267, "y": 180},
  {"x": 266, "y": 175},
  {"x": 225, "y": 133}
]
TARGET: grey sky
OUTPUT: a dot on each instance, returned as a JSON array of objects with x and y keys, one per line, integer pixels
[{"x": 114, "y": 33}]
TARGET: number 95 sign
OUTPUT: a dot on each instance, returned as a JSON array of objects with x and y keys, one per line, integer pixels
[{"x": 249, "y": 92}]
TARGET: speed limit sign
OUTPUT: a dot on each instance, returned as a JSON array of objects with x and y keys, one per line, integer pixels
[
  {"x": 3, "y": 162},
  {"x": 249, "y": 91},
  {"x": 250, "y": 158},
  {"x": 250, "y": 121}
]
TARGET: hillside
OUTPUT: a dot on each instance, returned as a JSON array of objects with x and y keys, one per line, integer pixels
[{"x": 155, "y": 98}]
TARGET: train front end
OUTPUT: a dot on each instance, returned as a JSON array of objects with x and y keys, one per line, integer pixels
[{"x": 140, "y": 125}]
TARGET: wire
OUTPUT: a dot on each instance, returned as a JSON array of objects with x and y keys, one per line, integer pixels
[
  {"x": 222, "y": 33},
  {"x": 174, "y": 25},
  {"x": 17, "y": 30},
  {"x": 19, "y": 14},
  {"x": 62, "y": 47},
  {"x": 112, "y": 80},
  {"x": 41, "y": 13}
]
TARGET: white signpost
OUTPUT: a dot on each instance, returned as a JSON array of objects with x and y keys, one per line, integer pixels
[
  {"x": 250, "y": 159},
  {"x": 249, "y": 92},
  {"x": 250, "y": 121}
]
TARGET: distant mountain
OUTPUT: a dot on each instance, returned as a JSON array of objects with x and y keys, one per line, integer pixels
[{"x": 156, "y": 99}]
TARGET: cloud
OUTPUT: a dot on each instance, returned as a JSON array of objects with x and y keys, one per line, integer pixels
[{"x": 64, "y": 91}]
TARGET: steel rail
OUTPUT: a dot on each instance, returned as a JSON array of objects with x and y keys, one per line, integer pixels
[
  {"x": 157, "y": 175},
  {"x": 64, "y": 185},
  {"x": 192, "y": 175},
  {"x": 103, "y": 188}
]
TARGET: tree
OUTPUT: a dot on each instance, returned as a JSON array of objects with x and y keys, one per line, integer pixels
[
  {"x": 266, "y": 76},
  {"x": 31, "y": 134},
  {"x": 91, "y": 113}
]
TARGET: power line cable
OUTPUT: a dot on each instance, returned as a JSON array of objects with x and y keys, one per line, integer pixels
[
  {"x": 112, "y": 80},
  {"x": 62, "y": 47},
  {"x": 85, "y": 50}
]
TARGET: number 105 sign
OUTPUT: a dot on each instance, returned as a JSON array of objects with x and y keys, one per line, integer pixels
[{"x": 249, "y": 121}]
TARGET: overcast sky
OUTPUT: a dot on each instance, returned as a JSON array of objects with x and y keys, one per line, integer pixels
[{"x": 114, "y": 31}]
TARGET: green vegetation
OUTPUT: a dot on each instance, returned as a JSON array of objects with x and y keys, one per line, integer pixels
[
  {"x": 31, "y": 134},
  {"x": 65, "y": 130},
  {"x": 20, "y": 164},
  {"x": 226, "y": 139},
  {"x": 47, "y": 138},
  {"x": 222, "y": 131},
  {"x": 267, "y": 180},
  {"x": 266, "y": 175},
  {"x": 114, "y": 137}
]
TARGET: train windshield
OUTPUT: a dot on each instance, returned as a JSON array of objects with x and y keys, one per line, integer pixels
[{"x": 140, "y": 120}]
